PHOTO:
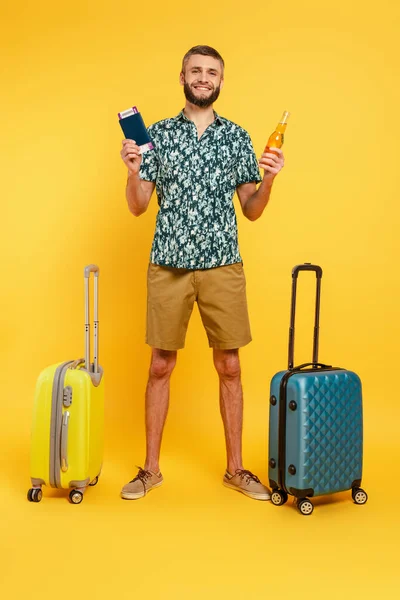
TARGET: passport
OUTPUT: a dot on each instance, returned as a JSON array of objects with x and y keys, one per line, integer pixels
[{"x": 133, "y": 126}]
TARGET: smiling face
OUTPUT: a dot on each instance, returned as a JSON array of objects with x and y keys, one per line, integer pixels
[{"x": 202, "y": 80}]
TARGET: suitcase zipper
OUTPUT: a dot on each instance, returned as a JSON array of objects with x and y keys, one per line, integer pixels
[{"x": 55, "y": 426}]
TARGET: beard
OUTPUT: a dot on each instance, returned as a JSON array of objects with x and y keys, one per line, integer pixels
[{"x": 202, "y": 102}]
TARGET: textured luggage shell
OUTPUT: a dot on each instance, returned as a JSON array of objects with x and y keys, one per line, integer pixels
[
  {"x": 324, "y": 434},
  {"x": 315, "y": 423}
]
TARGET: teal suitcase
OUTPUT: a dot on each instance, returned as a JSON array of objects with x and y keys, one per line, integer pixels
[{"x": 315, "y": 424}]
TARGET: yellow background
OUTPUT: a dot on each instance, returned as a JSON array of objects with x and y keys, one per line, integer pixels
[{"x": 66, "y": 71}]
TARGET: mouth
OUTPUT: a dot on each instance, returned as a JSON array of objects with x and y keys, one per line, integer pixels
[{"x": 202, "y": 88}]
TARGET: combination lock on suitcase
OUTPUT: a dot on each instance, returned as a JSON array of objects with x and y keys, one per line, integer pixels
[
  {"x": 68, "y": 416},
  {"x": 315, "y": 424}
]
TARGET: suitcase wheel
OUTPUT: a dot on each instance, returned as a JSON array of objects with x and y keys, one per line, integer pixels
[
  {"x": 278, "y": 497},
  {"x": 359, "y": 496},
  {"x": 305, "y": 506},
  {"x": 35, "y": 495},
  {"x": 76, "y": 497},
  {"x": 94, "y": 482}
]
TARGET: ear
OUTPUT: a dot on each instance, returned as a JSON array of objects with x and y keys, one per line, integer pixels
[
  {"x": 222, "y": 82},
  {"x": 182, "y": 78}
]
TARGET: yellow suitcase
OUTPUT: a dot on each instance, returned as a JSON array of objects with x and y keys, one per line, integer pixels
[{"x": 68, "y": 418}]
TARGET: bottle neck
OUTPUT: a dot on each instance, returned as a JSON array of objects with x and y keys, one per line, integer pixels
[{"x": 281, "y": 127}]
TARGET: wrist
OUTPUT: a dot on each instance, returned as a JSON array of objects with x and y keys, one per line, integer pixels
[
  {"x": 268, "y": 177},
  {"x": 133, "y": 175}
]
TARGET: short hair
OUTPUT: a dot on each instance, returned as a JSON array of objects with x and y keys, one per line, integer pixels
[{"x": 204, "y": 51}]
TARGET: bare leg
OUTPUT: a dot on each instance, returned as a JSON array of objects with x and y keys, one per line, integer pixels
[
  {"x": 231, "y": 404},
  {"x": 157, "y": 402}
]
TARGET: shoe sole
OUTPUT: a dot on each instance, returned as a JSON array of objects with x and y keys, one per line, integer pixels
[
  {"x": 132, "y": 496},
  {"x": 249, "y": 494}
]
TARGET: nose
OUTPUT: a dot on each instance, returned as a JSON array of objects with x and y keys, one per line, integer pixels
[{"x": 203, "y": 78}]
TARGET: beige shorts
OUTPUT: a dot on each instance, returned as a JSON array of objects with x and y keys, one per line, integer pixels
[{"x": 221, "y": 297}]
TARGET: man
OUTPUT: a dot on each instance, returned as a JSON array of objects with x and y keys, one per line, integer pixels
[{"x": 199, "y": 161}]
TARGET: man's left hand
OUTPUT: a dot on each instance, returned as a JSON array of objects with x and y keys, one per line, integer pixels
[{"x": 272, "y": 162}]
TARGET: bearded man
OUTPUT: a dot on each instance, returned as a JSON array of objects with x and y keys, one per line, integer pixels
[{"x": 199, "y": 161}]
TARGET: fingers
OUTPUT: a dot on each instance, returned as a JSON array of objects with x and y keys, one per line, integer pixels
[
  {"x": 272, "y": 159},
  {"x": 128, "y": 153},
  {"x": 264, "y": 163},
  {"x": 268, "y": 169},
  {"x": 130, "y": 145},
  {"x": 276, "y": 151},
  {"x": 130, "y": 150},
  {"x": 271, "y": 162},
  {"x": 271, "y": 155}
]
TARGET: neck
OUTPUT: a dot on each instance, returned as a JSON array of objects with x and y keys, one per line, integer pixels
[{"x": 200, "y": 116}]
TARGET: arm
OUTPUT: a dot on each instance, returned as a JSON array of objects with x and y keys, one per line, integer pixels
[
  {"x": 138, "y": 191},
  {"x": 253, "y": 200},
  {"x": 138, "y": 194}
]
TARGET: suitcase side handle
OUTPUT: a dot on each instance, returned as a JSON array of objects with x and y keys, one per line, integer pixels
[
  {"x": 318, "y": 272},
  {"x": 92, "y": 269},
  {"x": 64, "y": 441}
]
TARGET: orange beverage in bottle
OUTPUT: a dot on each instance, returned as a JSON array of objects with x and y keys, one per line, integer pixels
[{"x": 276, "y": 139}]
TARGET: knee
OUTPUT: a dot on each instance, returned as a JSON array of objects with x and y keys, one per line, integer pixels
[
  {"x": 228, "y": 366},
  {"x": 162, "y": 364}
]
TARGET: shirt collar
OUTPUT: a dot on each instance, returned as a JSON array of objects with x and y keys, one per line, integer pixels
[{"x": 183, "y": 117}]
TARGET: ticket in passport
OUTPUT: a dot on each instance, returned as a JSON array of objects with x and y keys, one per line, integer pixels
[{"x": 133, "y": 126}]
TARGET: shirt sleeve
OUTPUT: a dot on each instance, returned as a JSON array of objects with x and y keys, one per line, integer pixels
[
  {"x": 247, "y": 164},
  {"x": 150, "y": 163}
]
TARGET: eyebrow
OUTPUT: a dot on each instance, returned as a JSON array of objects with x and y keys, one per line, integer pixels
[{"x": 208, "y": 69}]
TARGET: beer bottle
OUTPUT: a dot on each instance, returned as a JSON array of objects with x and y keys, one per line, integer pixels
[{"x": 276, "y": 139}]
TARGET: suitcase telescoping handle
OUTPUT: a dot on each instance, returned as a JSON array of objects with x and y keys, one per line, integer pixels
[
  {"x": 92, "y": 269},
  {"x": 295, "y": 272}
]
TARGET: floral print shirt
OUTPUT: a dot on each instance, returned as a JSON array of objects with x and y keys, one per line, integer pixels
[{"x": 196, "y": 179}]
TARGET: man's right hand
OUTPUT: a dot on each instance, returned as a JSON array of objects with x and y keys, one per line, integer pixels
[{"x": 131, "y": 156}]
